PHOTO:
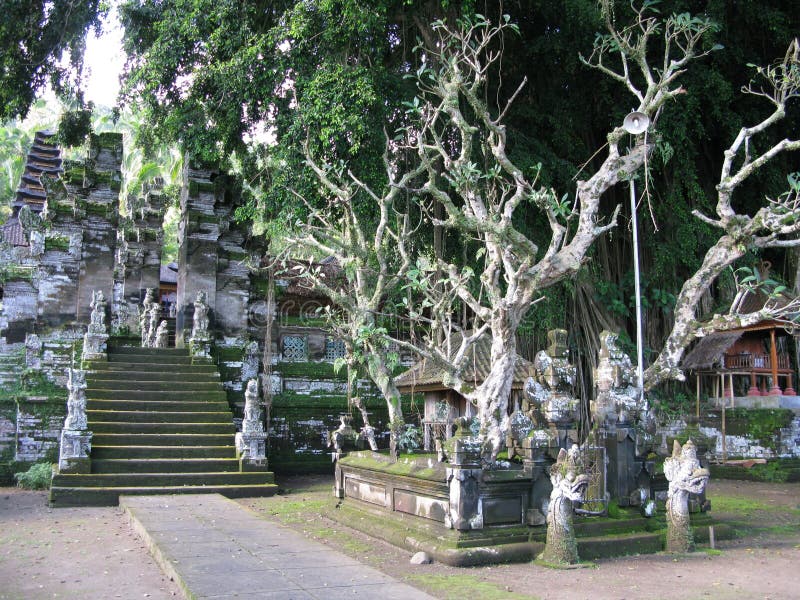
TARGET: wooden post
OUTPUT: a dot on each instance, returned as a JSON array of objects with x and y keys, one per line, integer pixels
[
  {"x": 697, "y": 402},
  {"x": 775, "y": 390},
  {"x": 724, "y": 442}
]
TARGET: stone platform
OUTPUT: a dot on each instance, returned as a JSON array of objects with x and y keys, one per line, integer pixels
[{"x": 215, "y": 548}]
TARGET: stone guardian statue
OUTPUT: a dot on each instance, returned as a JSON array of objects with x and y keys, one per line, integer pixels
[
  {"x": 569, "y": 485},
  {"x": 685, "y": 476}
]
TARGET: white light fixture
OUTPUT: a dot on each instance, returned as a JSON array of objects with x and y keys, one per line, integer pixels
[{"x": 636, "y": 123}]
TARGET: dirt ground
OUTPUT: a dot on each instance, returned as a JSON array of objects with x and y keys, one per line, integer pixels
[
  {"x": 75, "y": 553},
  {"x": 92, "y": 553}
]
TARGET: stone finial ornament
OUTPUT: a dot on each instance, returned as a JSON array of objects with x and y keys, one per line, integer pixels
[
  {"x": 569, "y": 481},
  {"x": 685, "y": 476},
  {"x": 551, "y": 388},
  {"x": 619, "y": 395}
]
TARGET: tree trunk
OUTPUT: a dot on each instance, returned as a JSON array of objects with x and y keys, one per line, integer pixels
[
  {"x": 379, "y": 373},
  {"x": 491, "y": 396}
]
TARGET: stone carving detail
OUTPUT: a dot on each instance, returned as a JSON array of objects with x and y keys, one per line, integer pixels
[
  {"x": 251, "y": 442},
  {"x": 75, "y": 437},
  {"x": 551, "y": 388},
  {"x": 94, "y": 342},
  {"x": 162, "y": 335},
  {"x": 200, "y": 342},
  {"x": 619, "y": 397},
  {"x": 569, "y": 485},
  {"x": 367, "y": 431},
  {"x": 685, "y": 476}
]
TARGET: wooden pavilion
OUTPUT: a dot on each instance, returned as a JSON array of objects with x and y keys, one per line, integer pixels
[{"x": 751, "y": 361}]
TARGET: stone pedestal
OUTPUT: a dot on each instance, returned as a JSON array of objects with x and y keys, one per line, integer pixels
[
  {"x": 74, "y": 451},
  {"x": 536, "y": 463},
  {"x": 463, "y": 477}
]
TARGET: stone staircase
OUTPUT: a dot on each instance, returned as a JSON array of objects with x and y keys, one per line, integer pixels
[{"x": 161, "y": 425}]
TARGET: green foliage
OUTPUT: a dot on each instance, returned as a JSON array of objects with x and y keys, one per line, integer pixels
[
  {"x": 409, "y": 438},
  {"x": 762, "y": 425},
  {"x": 35, "y": 37},
  {"x": 74, "y": 126},
  {"x": 38, "y": 477}
]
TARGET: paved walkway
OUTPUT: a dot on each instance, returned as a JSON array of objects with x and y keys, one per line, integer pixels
[{"x": 215, "y": 548}]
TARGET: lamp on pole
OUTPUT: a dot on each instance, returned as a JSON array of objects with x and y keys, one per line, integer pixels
[{"x": 636, "y": 123}]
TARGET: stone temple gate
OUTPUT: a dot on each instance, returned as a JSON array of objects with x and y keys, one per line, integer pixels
[{"x": 71, "y": 234}]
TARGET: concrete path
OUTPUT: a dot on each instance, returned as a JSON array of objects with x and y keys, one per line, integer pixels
[{"x": 216, "y": 548}]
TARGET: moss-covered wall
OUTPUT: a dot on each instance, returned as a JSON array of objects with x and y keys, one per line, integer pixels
[
  {"x": 32, "y": 410},
  {"x": 300, "y": 423},
  {"x": 754, "y": 432}
]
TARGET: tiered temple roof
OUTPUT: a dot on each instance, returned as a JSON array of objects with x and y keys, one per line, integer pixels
[{"x": 43, "y": 157}]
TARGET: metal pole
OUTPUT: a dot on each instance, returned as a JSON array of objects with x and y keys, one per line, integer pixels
[{"x": 639, "y": 347}]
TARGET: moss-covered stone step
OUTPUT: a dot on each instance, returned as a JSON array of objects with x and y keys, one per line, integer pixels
[
  {"x": 153, "y": 451},
  {"x": 144, "y": 359},
  {"x": 140, "y": 416},
  {"x": 154, "y": 386},
  {"x": 109, "y": 496},
  {"x": 195, "y": 395},
  {"x": 172, "y": 466},
  {"x": 157, "y": 405},
  {"x": 591, "y": 548},
  {"x": 163, "y": 479},
  {"x": 114, "y": 349},
  {"x": 161, "y": 439},
  {"x": 161, "y": 428},
  {"x": 176, "y": 372},
  {"x": 99, "y": 378}
]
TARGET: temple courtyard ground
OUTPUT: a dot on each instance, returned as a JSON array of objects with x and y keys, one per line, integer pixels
[{"x": 94, "y": 553}]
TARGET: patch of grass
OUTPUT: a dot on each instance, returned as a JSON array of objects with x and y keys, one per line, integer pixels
[
  {"x": 463, "y": 586},
  {"x": 738, "y": 504},
  {"x": 712, "y": 551},
  {"x": 298, "y": 511}
]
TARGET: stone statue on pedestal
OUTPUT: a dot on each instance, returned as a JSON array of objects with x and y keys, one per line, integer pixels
[
  {"x": 569, "y": 485},
  {"x": 94, "y": 341},
  {"x": 685, "y": 476},
  {"x": 251, "y": 442},
  {"x": 200, "y": 342},
  {"x": 162, "y": 335},
  {"x": 144, "y": 317},
  {"x": 75, "y": 437}
]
